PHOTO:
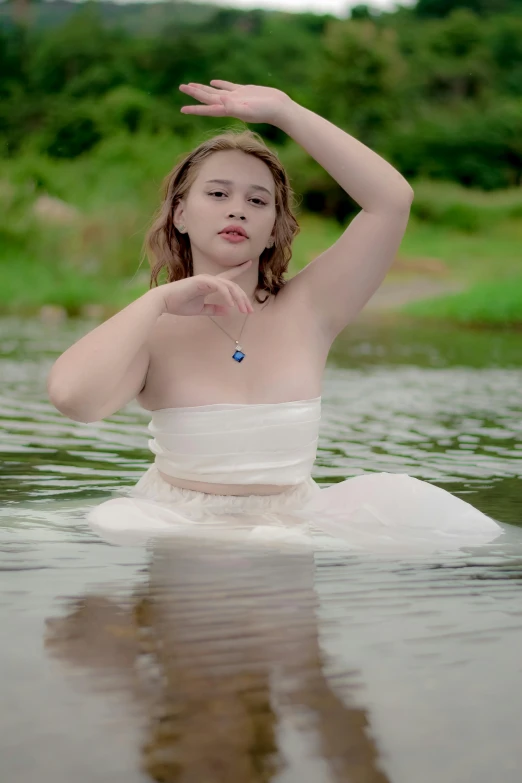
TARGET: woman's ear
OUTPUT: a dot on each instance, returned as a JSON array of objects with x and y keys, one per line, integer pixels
[{"x": 178, "y": 213}]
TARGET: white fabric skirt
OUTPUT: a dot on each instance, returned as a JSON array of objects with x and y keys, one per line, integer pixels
[
  {"x": 376, "y": 512},
  {"x": 154, "y": 508}
]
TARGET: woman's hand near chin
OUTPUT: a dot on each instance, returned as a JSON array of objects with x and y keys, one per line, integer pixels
[{"x": 187, "y": 296}]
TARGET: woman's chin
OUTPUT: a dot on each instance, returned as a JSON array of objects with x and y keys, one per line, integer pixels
[{"x": 231, "y": 260}]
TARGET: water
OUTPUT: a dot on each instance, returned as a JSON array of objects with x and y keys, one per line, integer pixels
[{"x": 218, "y": 663}]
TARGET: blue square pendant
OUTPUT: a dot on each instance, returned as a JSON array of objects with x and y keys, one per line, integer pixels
[{"x": 238, "y": 356}]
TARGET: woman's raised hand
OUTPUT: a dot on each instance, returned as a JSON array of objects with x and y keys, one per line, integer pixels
[
  {"x": 247, "y": 102},
  {"x": 187, "y": 296}
]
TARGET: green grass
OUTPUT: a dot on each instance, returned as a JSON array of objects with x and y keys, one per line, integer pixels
[
  {"x": 469, "y": 256},
  {"x": 485, "y": 255},
  {"x": 452, "y": 206},
  {"x": 475, "y": 237},
  {"x": 496, "y": 303}
]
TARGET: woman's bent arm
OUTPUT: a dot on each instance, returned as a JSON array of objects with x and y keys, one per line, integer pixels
[
  {"x": 339, "y": 282},
  {"x": 107, "y": 368}
]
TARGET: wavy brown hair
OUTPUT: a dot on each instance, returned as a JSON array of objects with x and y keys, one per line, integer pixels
[{"x": 165, "y": 246}]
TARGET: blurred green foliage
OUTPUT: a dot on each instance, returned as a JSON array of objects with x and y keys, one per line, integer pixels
[
  {"x": 90, "y": 124},
  {"x": 436, "y": 89},
  {"x": 483, "y": 7}
]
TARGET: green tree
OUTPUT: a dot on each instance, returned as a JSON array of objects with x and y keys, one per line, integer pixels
[
  {"x": 504, "y": 40},
  {"x": 441, "y": 8},
  {"x": 72, "y": 133},
  {"x": 472, "y": 147},
  {"x": 452, "y": 60},
  {"x": 360, "y": 82},
  {"x": 64, "y": 54}
]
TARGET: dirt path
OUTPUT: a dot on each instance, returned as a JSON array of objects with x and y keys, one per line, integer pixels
[{"x": 397, "y": 291}]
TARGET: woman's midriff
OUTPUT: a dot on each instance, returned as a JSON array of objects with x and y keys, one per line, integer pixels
[{"x": 226, "y": 489}]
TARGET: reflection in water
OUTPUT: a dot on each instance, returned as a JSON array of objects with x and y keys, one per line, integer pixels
[{"x": 221, "y": 649}]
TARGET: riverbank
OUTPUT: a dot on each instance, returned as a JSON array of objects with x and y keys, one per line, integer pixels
[
  {"x": 423, "y": 287},
  {"x": 72, "y": 234}
]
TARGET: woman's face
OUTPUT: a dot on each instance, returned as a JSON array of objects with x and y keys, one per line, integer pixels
[{"x": 245, "y": 197}]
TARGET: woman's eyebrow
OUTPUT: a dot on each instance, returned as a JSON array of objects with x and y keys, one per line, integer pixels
[{"x": 229, "y": 182}]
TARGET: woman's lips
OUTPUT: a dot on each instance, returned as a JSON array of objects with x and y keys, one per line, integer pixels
[{"x": 233, "y": 237}]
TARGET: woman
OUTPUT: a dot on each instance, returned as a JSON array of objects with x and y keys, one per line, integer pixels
[{"x": 228, "y": 355}]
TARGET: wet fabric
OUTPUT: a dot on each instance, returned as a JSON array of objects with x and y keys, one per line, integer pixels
[
  {"x": 153, "y": 508},
  {"x": 375, "y": 513}
]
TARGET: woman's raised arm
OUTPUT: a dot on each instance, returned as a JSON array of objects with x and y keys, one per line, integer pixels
[{"x": 338, "y": 283}]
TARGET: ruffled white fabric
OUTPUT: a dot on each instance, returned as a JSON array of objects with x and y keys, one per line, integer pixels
[
  {"x": 153, "y": 509},
  {"x": 379, "y": 512}
]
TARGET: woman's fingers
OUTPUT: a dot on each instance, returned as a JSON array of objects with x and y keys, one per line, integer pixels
[
  {"x": 243, "y": 298},
  {"x": 232, "y": 293},
  {"x": 234, "y": 272},
  {"x": 211, "y": 309},
  {"x": 223, "y": 288},
  {"x": 212, "y": 107},
  {"x": 219, "y": 85},
  {"x": 225, "y": 85},
  {"x": 198, "y": 92},
  {"x": 248, "y": 303},
  {"x": 239, "y": 295},
  {"x": 194, "y": 86}
]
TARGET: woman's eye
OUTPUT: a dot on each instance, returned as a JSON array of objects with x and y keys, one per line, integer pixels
[{"x": 220, "y": 193}]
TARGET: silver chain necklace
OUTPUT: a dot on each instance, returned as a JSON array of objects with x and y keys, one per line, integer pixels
[{"x": 238, "y": 354}]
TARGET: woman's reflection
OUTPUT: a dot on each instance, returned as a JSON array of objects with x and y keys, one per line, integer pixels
[{"x": 221, "y": 651}]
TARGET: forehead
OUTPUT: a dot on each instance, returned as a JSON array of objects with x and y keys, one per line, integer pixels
[{"x": 242, "y": 169}]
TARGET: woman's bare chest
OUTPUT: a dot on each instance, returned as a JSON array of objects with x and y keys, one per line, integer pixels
[{"x": 192, "y": 361}]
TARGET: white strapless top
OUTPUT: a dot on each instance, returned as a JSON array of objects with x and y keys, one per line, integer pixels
[{"x": 232, "y": 443}]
